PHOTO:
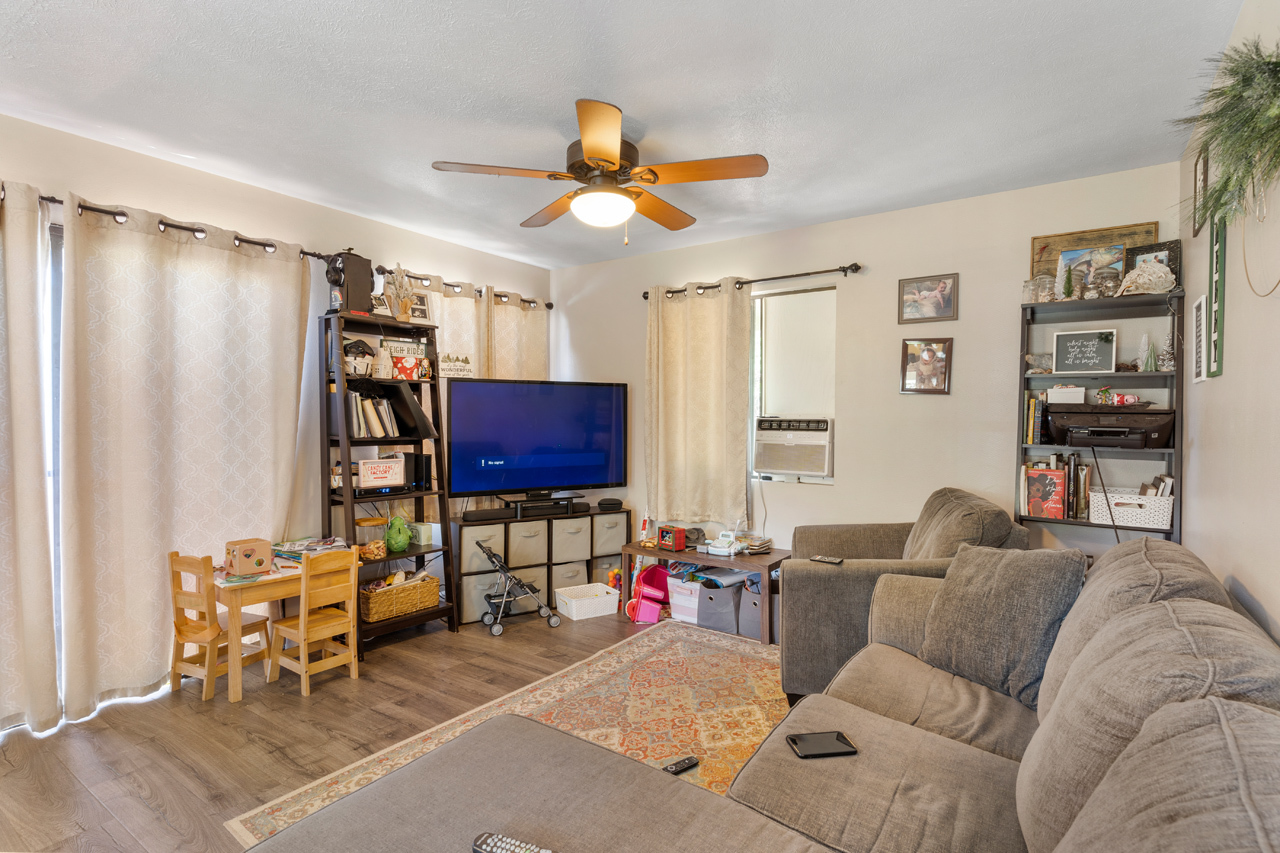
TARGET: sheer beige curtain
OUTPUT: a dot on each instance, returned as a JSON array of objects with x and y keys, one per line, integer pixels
[
  {"x": 697, "y": 399},
  {"x": 518, "y": 337},
  {"x": 28, "y": 652},
  {"x": 181, "y": 364}
]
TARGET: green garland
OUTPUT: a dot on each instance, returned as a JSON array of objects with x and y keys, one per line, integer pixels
[{"x": 1240, "y": 126}]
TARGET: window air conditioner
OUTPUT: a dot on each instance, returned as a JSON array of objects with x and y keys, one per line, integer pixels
[{"x": 801, "y": 446}]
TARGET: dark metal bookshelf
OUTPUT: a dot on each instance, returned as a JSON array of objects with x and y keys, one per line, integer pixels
[
  {"x": 1104, "y": 310},
  {"x": 335, "y": 421}
]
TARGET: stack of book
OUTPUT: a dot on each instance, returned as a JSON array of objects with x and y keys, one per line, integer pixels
[
  {"x": 1056, "y": 488},
  {"x": 371, "y": 417},
  {"x": 755, "y": 544},
  {"x": 288, "y": 555},
  {"x": 1037, "y": 430},
  {"x": 1160, "y": 487}
]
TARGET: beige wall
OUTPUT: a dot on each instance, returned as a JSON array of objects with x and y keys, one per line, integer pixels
[
  {"x": 58, "y": 162},
  {"x": 892, "y": 450},
  {"x": 1232, "y": 461}
]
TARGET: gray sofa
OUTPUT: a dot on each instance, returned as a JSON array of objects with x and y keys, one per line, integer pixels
[
  {"x": 1140, "y": 715},
  {"x": 825, "y": 607}
]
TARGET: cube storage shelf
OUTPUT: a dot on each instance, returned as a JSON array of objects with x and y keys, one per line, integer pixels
[
  {"x": 1103, "y": 311},
  {"x": 335, "y": 426}
]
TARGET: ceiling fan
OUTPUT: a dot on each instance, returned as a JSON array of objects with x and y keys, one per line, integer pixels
[{"x": 606, "y": 163}]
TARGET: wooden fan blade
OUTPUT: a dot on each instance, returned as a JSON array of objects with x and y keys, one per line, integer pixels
[
  {"x": 600, "y": 125},
  {"x": 475, "y": 169},
  {"x": 550, "y": 213},
  {"x": 667, "y": 215},
  {"x": 715, "y": 169}
]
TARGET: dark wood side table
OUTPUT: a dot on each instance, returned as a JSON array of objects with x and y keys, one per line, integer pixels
[{"x": 762, "y": 563}]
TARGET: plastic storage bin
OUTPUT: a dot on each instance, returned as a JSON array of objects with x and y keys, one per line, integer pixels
[
  {"x": 586, "y": 601},
  {"x": 1131, "y": 509},
  {"x": 718, "y": 608},
  {"x": 683, "y": 596}
]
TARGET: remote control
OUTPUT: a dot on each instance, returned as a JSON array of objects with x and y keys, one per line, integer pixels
[
  {"x": 835, "y": 561},
  {"x": 491, "y": 842},
  {"x": 678, "y": 767}
]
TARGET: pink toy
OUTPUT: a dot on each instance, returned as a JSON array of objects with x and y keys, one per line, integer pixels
[{"x": 649, "y": 595}]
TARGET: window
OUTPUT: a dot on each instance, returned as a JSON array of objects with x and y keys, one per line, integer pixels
[{"x": 794, "y": 356}]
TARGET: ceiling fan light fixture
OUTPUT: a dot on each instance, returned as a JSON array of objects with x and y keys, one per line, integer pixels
[{"x": 603, "y": 207}]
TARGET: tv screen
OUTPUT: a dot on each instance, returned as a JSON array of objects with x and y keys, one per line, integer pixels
[{"x": 510, "y": 436}]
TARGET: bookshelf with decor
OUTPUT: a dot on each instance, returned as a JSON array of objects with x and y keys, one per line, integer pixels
[
  {"x": 392, "y": 414},
  {"x": 1057, "y": 480}
]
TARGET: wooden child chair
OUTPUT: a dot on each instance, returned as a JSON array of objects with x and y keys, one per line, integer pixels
[
  {"x": 207, "y": 628},
  {"x": 327, "y": 579}
]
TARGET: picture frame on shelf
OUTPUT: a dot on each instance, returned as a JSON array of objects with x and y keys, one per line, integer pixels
[
  {"x": 420, "y": 307},
  {"x": 930, "y": 299},
  {"x": 1084, "y": 263},
  {"x": 1199, "y": 189},
  {"x": 926, "y": 365},
  {"x": 379, "y": 303},
  {"x": 1084, "y": 352},
  {"x": 1168, "y": 253},
  {"x": 1046, "y": 249}
]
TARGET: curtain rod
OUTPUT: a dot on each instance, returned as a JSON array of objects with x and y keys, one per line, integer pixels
[
  {"x": 845, "y": 270},
  {"x": 457, "y": 288}
]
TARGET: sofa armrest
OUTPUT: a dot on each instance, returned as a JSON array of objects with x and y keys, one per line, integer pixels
[
  {"x": 851, "y": 541},
  {"x": 825, "y": 610},
  {"x": 899, "y": 606},
  {"x": 1019, "y": 538}
]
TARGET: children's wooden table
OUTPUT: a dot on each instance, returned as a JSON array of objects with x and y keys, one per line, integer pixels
[
  {"x": 762, "y": 563},
  {"x": 240, "y": 595}
]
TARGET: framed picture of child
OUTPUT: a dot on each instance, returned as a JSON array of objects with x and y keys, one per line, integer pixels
[
  {"x": 930, "y": 299},
  {"x": 926, "y": 366}
]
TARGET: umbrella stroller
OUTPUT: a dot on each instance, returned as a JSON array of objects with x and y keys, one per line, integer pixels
[{"x": 513, "y": 589}]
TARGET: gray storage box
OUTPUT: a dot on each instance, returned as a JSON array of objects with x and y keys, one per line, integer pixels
[
  {"x": 749, "y": 615},
  {"x": 718, "y": 608}
]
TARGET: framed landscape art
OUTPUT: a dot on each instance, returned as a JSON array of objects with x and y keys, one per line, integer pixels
[{"x": 1046, "y": 250}]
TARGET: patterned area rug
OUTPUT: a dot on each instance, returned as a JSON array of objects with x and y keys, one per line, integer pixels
[{"x": 671, "y": 691}]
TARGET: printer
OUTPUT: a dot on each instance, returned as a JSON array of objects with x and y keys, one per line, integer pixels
[{"x": 1075, "y": 425}]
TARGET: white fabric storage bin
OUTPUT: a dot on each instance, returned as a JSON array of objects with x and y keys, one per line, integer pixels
[
  {"x": 570, "y": 539},
  {"x": 587, "y": 600},
  {"x": 568, "y": 574},
  {"x": 526, "y": 543},
  {"x": 609, "y": 533},
  {"x": 684, "y": 600},
  {"x": 470, "y": 557},
  {"x": 1131, "y": 509}
]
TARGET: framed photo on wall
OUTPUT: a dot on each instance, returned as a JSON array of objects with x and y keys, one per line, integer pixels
[
  {"x": 926, "y": 366},
  {"x": 1199, "y": 188},
  {"x": 930, "y": 299}
]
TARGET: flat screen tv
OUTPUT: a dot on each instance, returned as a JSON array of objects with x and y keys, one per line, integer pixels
[{"x": 510, "y": 436}]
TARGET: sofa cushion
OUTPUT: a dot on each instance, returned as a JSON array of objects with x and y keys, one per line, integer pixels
[
  {"x": 521, "y": 778},
  {"x": 996, "y": 615},
  {"x": 900, "y": 686},
  {"x": 1201, "y": 775},
  {"x": 1131, "y": 574},
  {"x": 905, "y": 790},
  {"x": 951, "y": 517},
  {"x": 1141, "y": 660}
]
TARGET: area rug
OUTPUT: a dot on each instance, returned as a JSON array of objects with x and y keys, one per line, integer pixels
[{"x": 667, "y": 692}]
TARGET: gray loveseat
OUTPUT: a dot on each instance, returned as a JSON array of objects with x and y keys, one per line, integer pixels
[
  {"x": 825, "y": 607},
  {"x": 1151, "y": 725}
]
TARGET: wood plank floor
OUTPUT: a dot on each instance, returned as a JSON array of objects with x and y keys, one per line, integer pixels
[{"x": 163, "y": 775}]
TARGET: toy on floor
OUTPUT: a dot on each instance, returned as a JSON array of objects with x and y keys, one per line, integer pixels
[
  {"x": 513, "y": 589},
  {"x": 648, "y": 596}
]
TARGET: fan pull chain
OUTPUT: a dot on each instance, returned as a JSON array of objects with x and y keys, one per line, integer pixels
[{"x": 626, "y": 237}]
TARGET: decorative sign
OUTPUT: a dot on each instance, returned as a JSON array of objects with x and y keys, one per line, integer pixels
[
  {"x": 1085, "y": 352},
  {"x": 1200, "y": 342},
  {"x": 456, "y": 366},
  {"x": 1217, "y": 294},
  {"x": 378, "y": 473},
  {"x": 407, "y": 359}
]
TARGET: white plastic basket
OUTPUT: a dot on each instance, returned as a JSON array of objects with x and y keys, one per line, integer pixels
[
  {"x": 587, "y": 600},
  {"x": 1131, "y": 509}
]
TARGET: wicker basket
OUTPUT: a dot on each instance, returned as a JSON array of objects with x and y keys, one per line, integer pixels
[{"x": 393, "y": 601}]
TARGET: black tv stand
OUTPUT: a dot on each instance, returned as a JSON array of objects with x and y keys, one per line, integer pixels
[{"x": 548, "y": 502}]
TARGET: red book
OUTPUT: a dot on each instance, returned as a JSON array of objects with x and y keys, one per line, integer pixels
[{"x": 1046, "y": 489}]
